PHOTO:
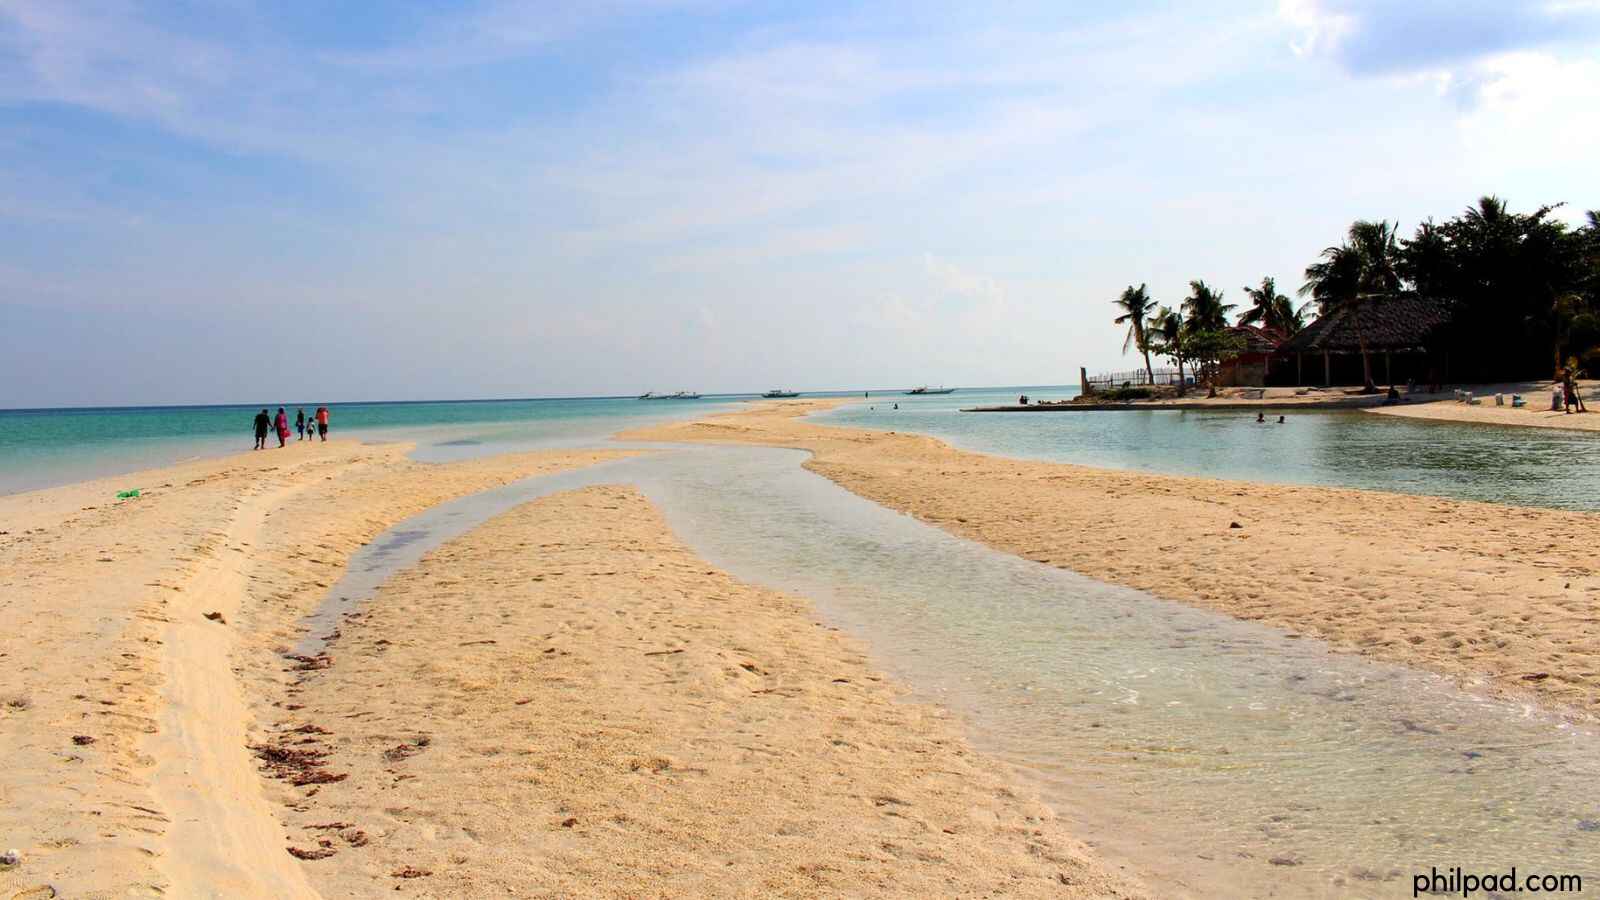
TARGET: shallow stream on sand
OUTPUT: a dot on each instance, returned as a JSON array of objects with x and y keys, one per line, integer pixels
[{"x": 1212, "y": 756}]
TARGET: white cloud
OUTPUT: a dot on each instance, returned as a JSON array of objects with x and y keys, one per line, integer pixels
[{"x": 1535, "y": 110}]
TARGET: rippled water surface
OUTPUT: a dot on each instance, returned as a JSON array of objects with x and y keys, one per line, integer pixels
[
  {"x": 1216, "y": 757},
  {"x": 1523, "y": 466}
]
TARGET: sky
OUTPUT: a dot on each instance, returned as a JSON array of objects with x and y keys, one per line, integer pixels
[{"x": 243, "y": 201}]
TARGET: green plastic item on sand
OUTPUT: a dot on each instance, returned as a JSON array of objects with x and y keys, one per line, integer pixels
[{"x": 128, "y": 495}]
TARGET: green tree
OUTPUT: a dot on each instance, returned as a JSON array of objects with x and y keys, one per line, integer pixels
[
  {"x": 1352, "y": 276},
  {"x": 1167, "y": 331},
  {"x": 1136, "y": 305},
  {"x": 1271, "y": 309},
  {"x": 1204, "y": 310},
  {"x": 1205, "y": 325},
  {"x": 1520, "y": 287},
  {"x": 1291, "y": 318}
]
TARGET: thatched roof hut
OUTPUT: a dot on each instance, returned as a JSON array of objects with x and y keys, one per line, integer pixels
[
  {"x": 1255, "y": 339},
  {"x": 1401, "y": 325},
  {"x": 1251, "y": 363}
]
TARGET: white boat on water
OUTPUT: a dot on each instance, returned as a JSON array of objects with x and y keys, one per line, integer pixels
[
  {"x": 918, "y": 391},
  {"x": 681, "y": 395},
  {"x": 776, "y": 393}
]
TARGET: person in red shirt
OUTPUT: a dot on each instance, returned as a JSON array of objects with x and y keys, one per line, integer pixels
[{"x": 322, "y": 422}]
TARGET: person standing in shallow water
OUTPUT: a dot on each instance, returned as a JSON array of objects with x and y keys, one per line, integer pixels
[
  {"x": 300, "y": 423},
  {"x": 322, "y": 423},
  {"x": 263, "y": 423},
  {"x": 282, "y": 424}
]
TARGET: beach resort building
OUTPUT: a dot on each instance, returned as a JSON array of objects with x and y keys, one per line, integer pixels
[
  {"x": 1254, "y": 364},
  {"x": 1404, "y": 335}
]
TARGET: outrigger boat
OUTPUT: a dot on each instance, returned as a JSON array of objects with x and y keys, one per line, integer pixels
[
  {"x": 776, "y": 393},
  {"x": 928, "y": 390}
]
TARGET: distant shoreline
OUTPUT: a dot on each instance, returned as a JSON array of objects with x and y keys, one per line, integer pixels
[{"x": 1439, "y": 407}]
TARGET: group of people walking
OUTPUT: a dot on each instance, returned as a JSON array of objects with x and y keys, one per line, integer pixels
[{"x": 310, "y": 428}]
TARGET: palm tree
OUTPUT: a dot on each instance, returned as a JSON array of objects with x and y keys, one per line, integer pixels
[
  {"x": 1205, "y": 325},
  {"x": 1379, "y": 249},
  {"x": 1167, "y": 327},
  {"x": 1272, "y": 309},
  {"x": 1352, "y": 275},
  {"x": 1291, "y": 319},
  {"x": 1135, "y": 305},
  {"x": 1204, "y": 308},
  {"x": 1490, "y": 213}
]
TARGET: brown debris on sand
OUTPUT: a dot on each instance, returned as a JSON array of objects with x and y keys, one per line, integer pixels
[
  {"x": 296, "y": 765},
  {"x": 309, "y": 663},
  {"x": 401, "y": 752}
]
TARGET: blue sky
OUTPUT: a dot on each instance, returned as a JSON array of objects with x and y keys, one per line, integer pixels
[{"x": 235, "y": 201}]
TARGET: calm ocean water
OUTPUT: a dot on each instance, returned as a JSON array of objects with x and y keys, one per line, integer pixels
[
  {"x": 1532, "y": 467},
  {"x": 1521, "y": 466},
  {"x": 39, "y": 448}
]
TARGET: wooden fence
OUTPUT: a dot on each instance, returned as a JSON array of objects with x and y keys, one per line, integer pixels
[{"x": 1137, "y": 378}]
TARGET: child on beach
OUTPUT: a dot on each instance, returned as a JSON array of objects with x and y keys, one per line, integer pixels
[{"x": 300, "y": 423}]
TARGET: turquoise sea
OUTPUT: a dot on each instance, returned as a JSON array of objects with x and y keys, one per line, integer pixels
[
  {"x": 40, "y": 448},
  {"x": 1533, "y": 467}
]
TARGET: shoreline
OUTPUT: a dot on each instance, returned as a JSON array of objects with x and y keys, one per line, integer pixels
[
  {"x": 1440, "y": 407},
  {"x": 1500, "y": 598},
  {"x": 139, "y": 726},
  {"x": 1503, "y": 416},
  {"x": 113, "y": 641}
]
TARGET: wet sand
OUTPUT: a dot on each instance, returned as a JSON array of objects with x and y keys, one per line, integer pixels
[
  {"x": 1503, "y": 598},
  {"x": 567, "y": 702}
]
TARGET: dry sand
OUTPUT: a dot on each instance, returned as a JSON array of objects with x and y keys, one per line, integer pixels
[
  {"x": 1537, "y": 414},
  {"x": 567, "y": 702},
  {"x": 122, "y": 726},
  {"x": 1506, "y": 597},
  {"x": 1486, "y": 413},
  {"x": 562, "y": 702}
]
